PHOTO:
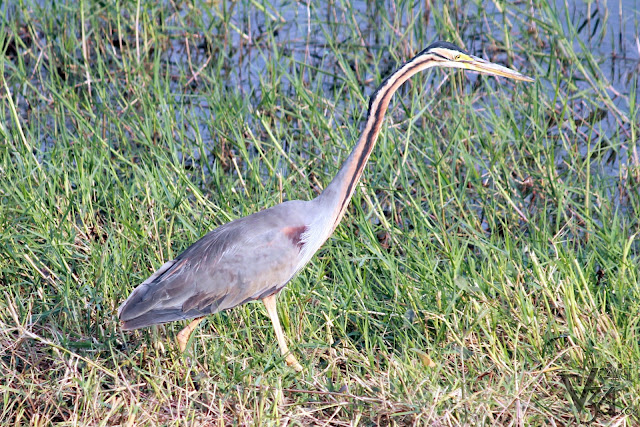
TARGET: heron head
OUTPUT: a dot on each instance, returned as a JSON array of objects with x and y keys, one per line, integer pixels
[{"x": 450, "y": 55}]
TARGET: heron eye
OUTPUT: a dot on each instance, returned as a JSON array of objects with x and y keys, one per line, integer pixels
[{"x": 457, "y": 57}]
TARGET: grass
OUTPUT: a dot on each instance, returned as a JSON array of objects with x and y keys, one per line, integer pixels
[{"x": 491, "y": 250}]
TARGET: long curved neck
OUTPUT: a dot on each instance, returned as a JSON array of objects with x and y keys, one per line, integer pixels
[{"x": 338, "y": 193}]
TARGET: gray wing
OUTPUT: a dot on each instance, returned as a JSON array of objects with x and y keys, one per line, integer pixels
[{"x": 244, "y": 260}]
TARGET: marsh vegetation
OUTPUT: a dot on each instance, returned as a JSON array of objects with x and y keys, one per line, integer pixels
[{"x": 490, "y": 250}]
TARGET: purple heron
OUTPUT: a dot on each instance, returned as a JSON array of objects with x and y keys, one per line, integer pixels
[{"x": 253, "y": 258}]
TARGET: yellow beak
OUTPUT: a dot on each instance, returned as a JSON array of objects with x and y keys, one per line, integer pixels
[{"x": 474, "y": 63}]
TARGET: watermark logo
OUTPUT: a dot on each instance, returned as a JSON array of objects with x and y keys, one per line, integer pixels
[{"x": 595, "y": 394}]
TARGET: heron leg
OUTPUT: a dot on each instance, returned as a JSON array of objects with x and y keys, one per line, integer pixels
[
  {"x": 183, "y": 335},
  {"x": 270, "y": 305}
]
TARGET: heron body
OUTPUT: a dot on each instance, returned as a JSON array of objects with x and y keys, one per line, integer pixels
[
  {"x": 254, "y": 257},
  {"x": 243, "y": 260}
]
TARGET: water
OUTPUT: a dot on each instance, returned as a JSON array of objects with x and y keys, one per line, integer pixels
[{"x": 607, "y": 30}]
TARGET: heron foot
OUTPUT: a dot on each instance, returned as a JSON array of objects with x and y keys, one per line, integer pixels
[{"x": 292, "y": 362}]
